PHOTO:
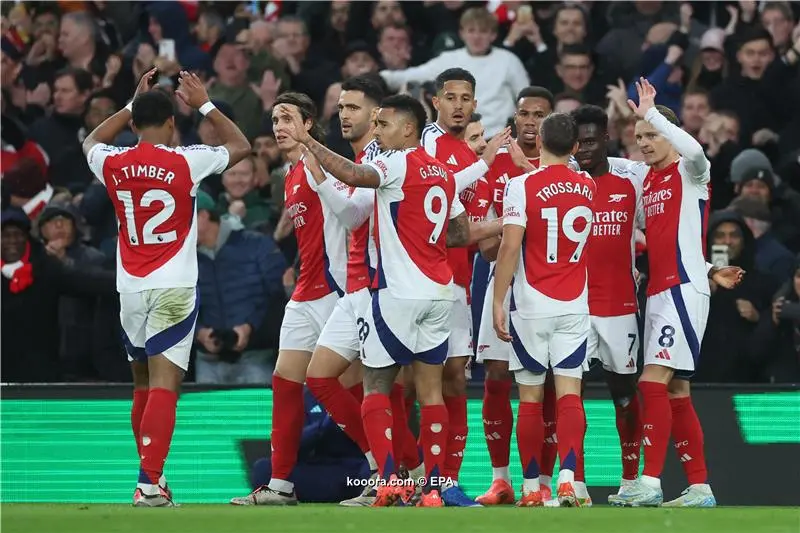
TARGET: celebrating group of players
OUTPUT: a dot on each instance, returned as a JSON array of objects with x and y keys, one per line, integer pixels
[{"x": 386, "y": 245}]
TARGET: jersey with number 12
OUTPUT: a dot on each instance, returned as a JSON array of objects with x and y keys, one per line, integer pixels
[
  {"x": 414, "y": 203},
  {"x": 152, "y": 188},
  {"x": 554, "y": 204}
]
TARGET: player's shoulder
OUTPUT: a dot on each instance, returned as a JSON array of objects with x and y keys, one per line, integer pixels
[
  {"x": 431, "y": 132},
  {"x": 103, "y": 150},
  {"x": 371, "y": 151}
]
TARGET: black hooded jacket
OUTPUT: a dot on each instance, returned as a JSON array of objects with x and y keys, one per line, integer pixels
[{"x": 726, "y": 355}]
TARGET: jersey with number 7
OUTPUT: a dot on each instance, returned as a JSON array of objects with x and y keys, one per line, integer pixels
[
  {"x": 153, "y": 192},
  {"x": 414, "y": 203},
  {"x": 554, "y": 205}
]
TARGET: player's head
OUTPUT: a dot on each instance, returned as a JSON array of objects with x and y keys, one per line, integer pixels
[
  {"x": 592, "y": 122},
  {"x": 153, "y": 117},
  {"x": 654, "y": 146},
  {"x": 280, "y": 125},
  {"x": 558, "y": 135},
  {"x": 358, "y": 101},
  {"x": 533, "y": 105},
  {"x": 475, "y": 134},
  {"x": 399, "y": 122},
  {"x": 455, "y": 99}
]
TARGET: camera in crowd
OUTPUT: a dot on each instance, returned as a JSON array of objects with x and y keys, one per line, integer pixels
[{"x": 226, "y": 339}]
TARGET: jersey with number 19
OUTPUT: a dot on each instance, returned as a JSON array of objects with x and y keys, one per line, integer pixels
[{"x": 411, "y": 306}]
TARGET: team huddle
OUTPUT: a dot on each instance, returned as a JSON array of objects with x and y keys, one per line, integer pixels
[{"x": 380, "y": 316}]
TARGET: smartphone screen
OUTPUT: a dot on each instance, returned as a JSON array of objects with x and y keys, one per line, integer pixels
[{"x": 166, "y": 49}]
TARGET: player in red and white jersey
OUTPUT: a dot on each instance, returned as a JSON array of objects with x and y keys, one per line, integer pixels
[
  {"x": 322, "y": 245},
  {"x": 675, "y": 200},
  {"x": 518, "y": 158},
  {"x": 444, "y": 140},
  {"x": 547, "y": 219},
  {"x": 152, "y": 188},
  {"x": 417, "y": 214},
  {"x": 614, "y": 335}
]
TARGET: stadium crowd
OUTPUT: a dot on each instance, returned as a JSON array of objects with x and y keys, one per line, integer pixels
[{"x": 728, "y": 69}]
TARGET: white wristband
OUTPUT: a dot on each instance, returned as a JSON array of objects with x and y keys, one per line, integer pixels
[
  {"x": 129, "y": 107},
  {"x": 206, "y": 108}
]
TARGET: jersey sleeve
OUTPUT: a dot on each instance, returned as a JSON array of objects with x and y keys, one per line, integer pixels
[
  {"x": 471, "y": 174},
  {"x": 456, "y": 208},
  {"x": 97, "y": 158},
  {"x": 204, "y": 160},
  {"x": 391, "y": 168},
  {"x": 514, "y": 203},
  {"x": 695, "y": 164},
  {"x": 351, "y": 210}
]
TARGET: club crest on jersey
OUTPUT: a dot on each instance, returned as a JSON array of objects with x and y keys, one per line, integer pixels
[
  {"x": 294, "y": 188},
  {"x": 614, "y": 198},
  {"x": 666, "y": 178},
  {"x": 483, "y": 203}
]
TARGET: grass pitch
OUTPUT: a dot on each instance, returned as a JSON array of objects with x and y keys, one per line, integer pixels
[{"x": 34, "y": 518}]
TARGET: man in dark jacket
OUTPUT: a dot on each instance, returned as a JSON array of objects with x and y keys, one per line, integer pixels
[
  {"x": 241, "y": 299},
  {"x": 733, "y": 314},
  {"x": 32, "y": 285}
]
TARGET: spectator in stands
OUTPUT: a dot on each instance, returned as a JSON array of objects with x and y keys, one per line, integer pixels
[
  {"x": 258, "y": 42},
  {"x": 734, "y": 314},
  {"x": 266, "y": 147},
  {"x": 25, "y": 186},
  {"x": 752, "y": 175},
  {"x": 168, "y": 20},
  {"x": 359, "y": 58},
  {"x": 209, "y": 30},
  {"x": 575, "y": 71},
  {"x": 101, "y": 106},
  {"x": 240, "y": 197},
  {"x": 241, "y": 299},
  {"x": 60, "y": 232},
  {"x": 720, "y": 138},
  {"x": 778, "y": 19},
  {"x": 58, "y": 133},
  {"x": 661, "y": 66},
  {"x": 43, "y": 57},
  {"x": 776, "y": 342},
  {"x": 566, "y": 103},
  {"x": 772, "y": 258},
  {"x": 394, "y": 46},
  {"x": 32, "y": 285},
  {"x": 232, "y": 87},
  {"x": 16, "y": 145},
  {"x": 77, "y": 42},
  {"x": 500, "y": 72},
  {"x": 710, "y": 68},
  {"x": 694, "y": 110}
]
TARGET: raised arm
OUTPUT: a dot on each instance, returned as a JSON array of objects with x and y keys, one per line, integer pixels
[
  {"x": 351, "y": 210},
  {"x": 474, "y": 172}
]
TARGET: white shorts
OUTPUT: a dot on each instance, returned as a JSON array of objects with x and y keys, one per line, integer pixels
[
  {"x": 345, "y": 325},
  {"x": 490, "y": 348},
  {"x": 614, "y": 341},
  {"x": 401, "y": 331},
  {"x": 159, "y": 321},
  {"x": 674, "y": 323},
  {"x": 303, "y": 322},
  {"x": 555, "y": 342},
  {"x": 460, "y": 344}
]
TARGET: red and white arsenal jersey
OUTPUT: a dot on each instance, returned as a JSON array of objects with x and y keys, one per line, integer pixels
[
  {"x": 456, "y": 155},
  {"x": 413, "y": 206},
  {"x": 152, "y": 188},
  {"x": 610, "y": 251},
  {"x": 554, "y": 205},
  {"x": 361, "y": 253},
  {"x": 321, "y": 238},
  {"x": 499, "y": 174}
]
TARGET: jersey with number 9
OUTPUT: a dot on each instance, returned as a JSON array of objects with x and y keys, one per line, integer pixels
[
  {"x": 153, "y": 192},
  {"x": 554, "y": 205},
  {"x": 413, "y": 206}
]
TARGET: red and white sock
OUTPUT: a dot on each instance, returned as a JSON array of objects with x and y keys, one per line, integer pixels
[
  {"x": 498, "y": 419},
  {"x": 657, "y": 424},
  {"x": 157, "y": 426},
  {"x": 342, "y": 406},
  {"x": 405, "y": 444},
  {"x": 137, "y": 412},
  {"x": 433, "y": 438},
  {"x": 570, "y": 431},
  {"x": 687, "y": 434},
  {"x": 530, "y": 438},
  {"x": 287, "y": 427},
  {"x": 376, "y": 413},
  {"x": 550, "y": 447},
  {"x": 457, "y": 435},
  {"x": 629, "y": 428}
]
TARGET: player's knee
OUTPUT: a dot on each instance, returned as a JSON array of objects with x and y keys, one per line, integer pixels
[
  {"x": 325, "y": 363},
  {"x": 531, "y": 393},
  {"x": 292, "y": 365},
  {"x": 657, "y": 374},
  {"x": 141, "y": 375},
  {"x": 621, "y": 386},
  {"x": 679, "y": 388},
  {"x": 497, "y": 370}
]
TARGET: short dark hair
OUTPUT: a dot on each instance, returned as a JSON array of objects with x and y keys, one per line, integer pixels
[
  {"x": 82, "y": 78},
  {"x": 695, "y": 91},
  {"x": 758, "y": 33},
  {"x": 575, "y": 50},
  {"x": 308, "y": 110},
  {"x": 559, "y": 134},
  {"x": 454, "y": 74},
  {"x": 669, "y": 114},
  {"x": 535, "y": 91},
  {"x": 365, "y": 84},
  {"x": 410, "y": 106},
  {"x": 152, "y": 109},
  {"x": 475, "y": 117},
  {"x": 591, "y": 114}
]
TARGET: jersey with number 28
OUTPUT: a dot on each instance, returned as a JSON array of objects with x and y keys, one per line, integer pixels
[
  {"x": 414, "y": 203},
  {"x": 152, "y": 188},
  {"x": 554, "y": 205}
]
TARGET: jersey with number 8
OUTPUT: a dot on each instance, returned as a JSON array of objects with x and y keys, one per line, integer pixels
[
  {"x": 153, "y": 192},
  {"x": 413, "y": 206},
  {"x": 554, "y": 205}
]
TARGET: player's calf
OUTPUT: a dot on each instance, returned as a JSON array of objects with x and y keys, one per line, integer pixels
[
  {"x": 498, "y": 420},
  {"x": 628, "y": 421}
]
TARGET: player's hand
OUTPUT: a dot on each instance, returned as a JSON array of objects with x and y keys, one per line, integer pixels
[
  {"x": 519, "y": 158},
  {"x": 747, "y": 310},
  {"x": 727, "y": 277},
  {"x": 313, "y": 166},
  {"x": 297, "y": 127},
  {"x": 501, "y": 139},
  {"x": 777, "y": 305},
  {"x": 237, "y": 208},
  {"x": 501, "y": 324},
  {"x": 208, "y": 342},
  {"x": 243, "y": 333},
  {"x": 647, "y": 98},
  {"x": 191, "y": 90},
  {"x": 145, "y": 81}
]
